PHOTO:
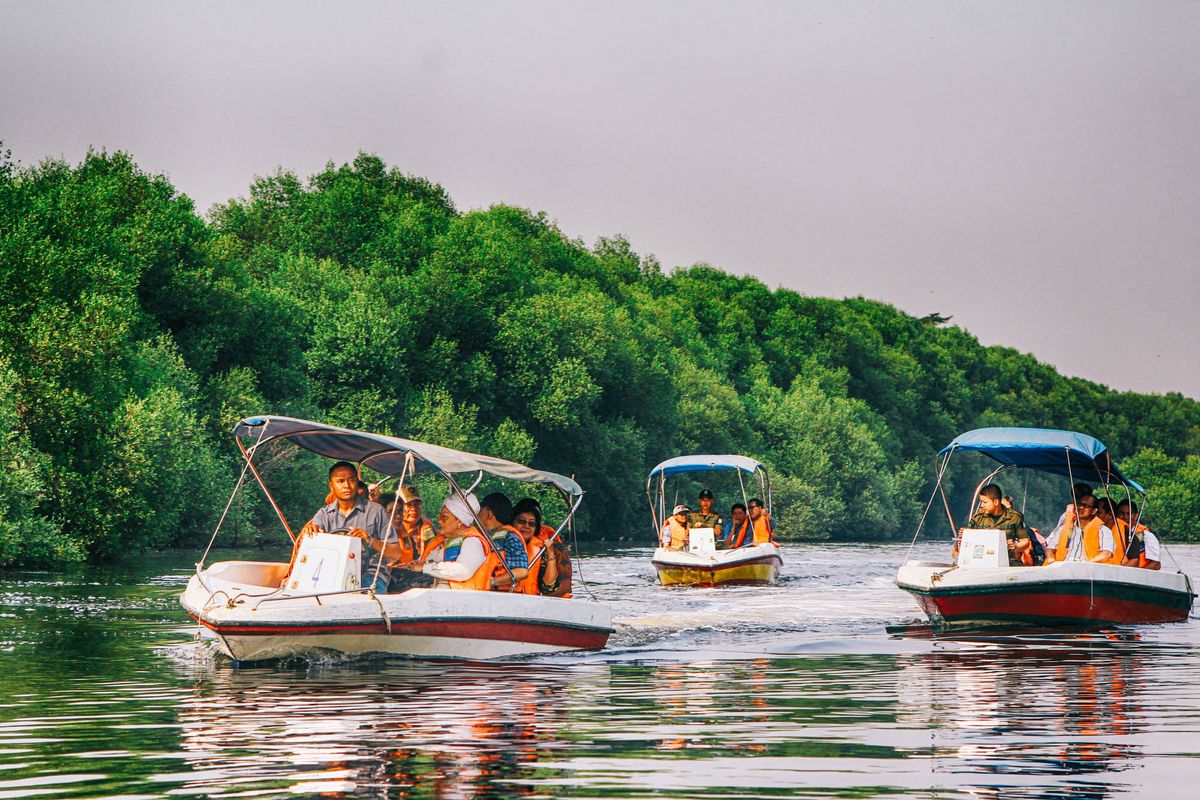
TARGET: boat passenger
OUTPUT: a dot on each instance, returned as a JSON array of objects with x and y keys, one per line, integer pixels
[
  {"x": 458, "y": 555},
  {"x": 527, "y": 521},
  {"x": 410, "y": 545},
  {"x": 414, "y": 522},
  {"x": 553, "y": 574},
  {"x": 760, "y": 522},
  {"x": 674, "y": 533},
  {"x": 739, "y": 529},
  {"x": 496, "y": 516},
  {"x": 992, "y": 515},
  {"x": 363, "y": 520},
  {"x": 1052, "y": 541},
  {"x": 1106, "y": 512},
  {"x": 1089, "y": 539},
  {"x": 554, "y": 577},
  {"x": 706, "y": 517},
  {"x": 1143, "y": 550},
  {"x": 1035, "y": 554}
]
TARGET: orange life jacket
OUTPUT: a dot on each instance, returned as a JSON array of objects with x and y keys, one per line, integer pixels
[
  {"x": 679, "y": 533},
  {"x": 499, "y": 568},
  {"x": 762, "y": 530},
  {"x": 481, "y": 579},
  {"x": 563, "y": 559},
  {"x": 529, "y": 584},
  {"x": 1064, "y": 536},
  {"x": 737, "y": 535},
  {"x": 1120, "y": 542},
  {"x": 423, "y": 533},
  {"x": 410, "y": 548},
  {"x": 1091, "y": 539}
]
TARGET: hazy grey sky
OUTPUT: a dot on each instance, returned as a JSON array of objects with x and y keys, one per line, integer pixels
[{"x": 1032, "y": 169}]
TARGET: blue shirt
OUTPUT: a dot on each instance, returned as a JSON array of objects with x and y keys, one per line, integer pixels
[
  {"x": 512, "y": 546},
  {"x": 373, "y": 519}
]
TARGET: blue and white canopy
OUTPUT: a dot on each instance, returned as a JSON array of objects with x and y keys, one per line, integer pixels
[
  {"x": 1059, "y": 452},
  {"x": 389, "y": 454},
  {"x": 705, "y": 463}
]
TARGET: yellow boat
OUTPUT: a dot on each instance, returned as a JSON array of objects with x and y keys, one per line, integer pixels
[
  {"x": 701, "y": 561},
  {"x": 746, "y": 566}
]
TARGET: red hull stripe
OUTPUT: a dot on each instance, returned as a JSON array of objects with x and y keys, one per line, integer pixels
[
  {"x": 713, "y": 585},
  {"x": 1049, "y": 607},
  {"x": 500, "y": 630},
  {"x": 718, "y": 567},
  {"x": 1109, "y": 590}
]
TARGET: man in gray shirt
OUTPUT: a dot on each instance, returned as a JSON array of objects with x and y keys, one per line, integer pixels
[{"x": 365, "y": 520}]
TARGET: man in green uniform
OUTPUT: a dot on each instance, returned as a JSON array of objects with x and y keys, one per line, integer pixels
[
  {"x": 705, "y": 517},
  {"x": 993, "y": 515}
]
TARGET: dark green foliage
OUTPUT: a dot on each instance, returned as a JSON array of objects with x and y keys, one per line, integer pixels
[{"x": 134, "y": 333}]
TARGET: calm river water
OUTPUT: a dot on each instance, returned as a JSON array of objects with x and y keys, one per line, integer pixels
[{"x": 790, "y": 691}]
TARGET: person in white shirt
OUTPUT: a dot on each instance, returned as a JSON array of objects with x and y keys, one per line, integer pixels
[
  {"x": 1144, "y": 550},
  {"x": 458, "y": 549}
]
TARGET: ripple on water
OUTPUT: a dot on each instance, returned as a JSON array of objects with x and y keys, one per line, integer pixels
[{"x": 792, "y": 690}]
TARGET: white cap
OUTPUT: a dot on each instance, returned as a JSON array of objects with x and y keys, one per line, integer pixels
[{"x": 455, "y": 505}]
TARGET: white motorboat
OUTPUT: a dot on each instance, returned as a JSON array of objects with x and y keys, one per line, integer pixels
[
  {"x": 701, "y": 562},
  {"x": 981, "y": 589},
  {"x": 261, "y": 610}
]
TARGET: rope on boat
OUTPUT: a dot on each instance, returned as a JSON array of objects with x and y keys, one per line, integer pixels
[
  {"x": 937, "y": 483},
  {"x": 382, "y": 611},
  {"x": 241, "y": 479}
]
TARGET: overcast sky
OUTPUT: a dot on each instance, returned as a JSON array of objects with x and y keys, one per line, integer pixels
[{"x": 1032, "y": 169}]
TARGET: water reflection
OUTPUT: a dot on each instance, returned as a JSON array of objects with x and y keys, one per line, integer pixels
[
  {"x": 386, "y": 729},
  {"x": 1040, "y": 706},
  {"x": 790, "y": 692}
]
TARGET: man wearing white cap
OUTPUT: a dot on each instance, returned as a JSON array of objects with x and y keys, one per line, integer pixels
[{"x": 458, "y": 551}]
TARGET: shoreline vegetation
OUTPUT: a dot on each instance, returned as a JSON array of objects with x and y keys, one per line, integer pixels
[{"x": 134, "y": 332}]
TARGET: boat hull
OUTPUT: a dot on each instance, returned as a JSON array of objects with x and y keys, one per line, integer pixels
[
  {"x": 1070, "y": 594},
  {"x": 747, "y": 566},
  {"x": 431, "y": 623}
]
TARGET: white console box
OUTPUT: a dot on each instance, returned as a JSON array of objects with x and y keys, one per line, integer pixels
[
  {"x": 982, "y": 549},
  {"x": 701, "y": 541},
  {"x": 327, "y": 562}
]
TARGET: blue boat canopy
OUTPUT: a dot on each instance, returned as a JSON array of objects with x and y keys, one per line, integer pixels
[
  {"x": 389, "y": 454},
  {"x": 705, "y": 463},
  {"x": 1059, "y": 452}
]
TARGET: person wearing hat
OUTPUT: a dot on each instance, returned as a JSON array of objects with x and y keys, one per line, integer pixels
[
  {"x": 674, "y": 534},
  {"x": 413, "y": 523},
  {"x": 459, "y": 550},
  {"x": 706, "y": 517}
]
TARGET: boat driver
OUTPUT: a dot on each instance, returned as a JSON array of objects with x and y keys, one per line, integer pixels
[
  {"x": 361, "y": 519},
  {"x": 992, "y": 515},
  {"x": 706, "y": 517}
]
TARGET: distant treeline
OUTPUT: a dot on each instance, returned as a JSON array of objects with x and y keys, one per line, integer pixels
[{"x": 134, "y": 332}]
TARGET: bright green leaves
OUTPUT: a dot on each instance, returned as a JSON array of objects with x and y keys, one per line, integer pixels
[{"x": 133, "y": 334}]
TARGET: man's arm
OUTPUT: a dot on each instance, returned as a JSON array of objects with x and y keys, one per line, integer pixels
[{"x": 1107, "y": 544}]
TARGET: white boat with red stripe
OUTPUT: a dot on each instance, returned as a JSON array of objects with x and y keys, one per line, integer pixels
[
  {"x": 256, "y": 610},
  {"x": 982, "y": 588}
]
